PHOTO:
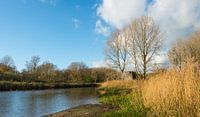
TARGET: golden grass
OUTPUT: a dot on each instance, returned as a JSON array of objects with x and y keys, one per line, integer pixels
[
  {"x": 168, "y": 93},
  {"x": 173, "y": 93},
  {"x": 121, "y": 84}
]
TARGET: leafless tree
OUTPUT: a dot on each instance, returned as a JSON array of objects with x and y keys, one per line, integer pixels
[
  {"x": 77, "y": 70},
  {"x": 145, "y": 40},
  {"x": 117, "y": 51},
  {"x": 7, "y": 64},
  {"x": 47, "y": 67},
  {"x": 47, "y": 70},
  {"x": 193, "y": 47},
  {"x": 8, "y": 61},
  {"x": 33, "y": 63},
  {"x": 76, "y": 66},
  {"x": 183, "y": 50},
  {"x": 177, "y": 53}
]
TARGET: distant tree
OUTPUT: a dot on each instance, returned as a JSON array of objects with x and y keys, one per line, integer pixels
[
  {"x": 33, "y": 64},
  {"x": 47, "y": 71},
  {"x": 193, "y": 46},
  {"x": 77, "y": 71},
  {"x": 7, "y": 64},
  {"x": 77, "y": 66},
  {"x": 47, "y": 67},
  {"x": 182, "y": 50},
  {"x": 178, "y": 53},
  {"x": 145, "y": 41},
  {"x": 8, "y": 61},
  {"x": 116, "y": 51}
]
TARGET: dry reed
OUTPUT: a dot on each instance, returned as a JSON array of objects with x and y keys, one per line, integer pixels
[
  {"x": 173, "y": 93},
  {"x": 121, "y": 84}
]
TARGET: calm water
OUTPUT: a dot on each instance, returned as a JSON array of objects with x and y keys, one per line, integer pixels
[{"x": 42, "y": 102}]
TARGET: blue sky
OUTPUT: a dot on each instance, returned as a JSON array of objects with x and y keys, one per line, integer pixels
[
  {"x": 60, "y": 32},
  {"x": 64, "y": 31}
]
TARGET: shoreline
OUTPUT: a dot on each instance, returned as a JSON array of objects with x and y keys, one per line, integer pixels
[
  {"x": 87, "y": 110},
  {"x": 15, "y": 86}
]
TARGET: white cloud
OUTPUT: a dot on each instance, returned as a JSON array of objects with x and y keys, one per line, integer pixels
[
  {"x": 177, "y": 18},
  {"x": 97, "y": 64},
  {"x": 101, "y": 29},
  {"x": 76, "y": 22},
  {"x": 161, "y": 58},
  {"x": 118, "y": 13}
]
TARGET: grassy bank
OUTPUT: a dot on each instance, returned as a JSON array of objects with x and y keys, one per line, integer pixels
[
  {"x": 8, "y": 85},
  {"x": 170, "y": 93},
  {"x": 126, "y": 96}
]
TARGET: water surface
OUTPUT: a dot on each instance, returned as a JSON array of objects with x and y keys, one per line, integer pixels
[{"x": 41, "y": 102}]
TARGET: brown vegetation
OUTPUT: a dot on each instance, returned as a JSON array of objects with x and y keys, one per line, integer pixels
[
  {"x": 182, "y": 50},
  {"x": 173, "y": 93},
  {"x": 120, "y": 84}
]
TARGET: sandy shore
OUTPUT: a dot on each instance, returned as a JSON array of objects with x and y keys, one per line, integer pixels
[{"x": 89, "y": 110}]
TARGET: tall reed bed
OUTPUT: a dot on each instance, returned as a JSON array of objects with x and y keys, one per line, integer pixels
[{"x": 173, "y": 93}]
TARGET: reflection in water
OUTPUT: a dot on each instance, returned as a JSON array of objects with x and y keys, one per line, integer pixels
[{"x": 42, "y": 102}]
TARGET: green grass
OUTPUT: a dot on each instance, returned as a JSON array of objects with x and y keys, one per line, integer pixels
[{"x": 130, "y": 103}]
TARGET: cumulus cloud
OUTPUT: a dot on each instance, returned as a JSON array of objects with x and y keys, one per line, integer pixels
[
  {"x": 76, "y": 22},
  {"x": 118, "y": 13},
  {"x": 177, "y": 18},
  {"x": 102, "y": 29}
]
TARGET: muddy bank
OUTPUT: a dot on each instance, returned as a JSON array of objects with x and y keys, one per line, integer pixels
[{"x": 89, "y": 110}]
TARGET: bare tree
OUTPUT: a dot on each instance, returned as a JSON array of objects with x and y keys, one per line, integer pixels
[
  {"x": 7, "y": 64},
  {"x": 47, "y": 70},
  {"x": 8, "y": 61},
  {"x": 76, "y": 66},
  {"x": 77, "y": 70},
  {"x": 145, "y": 40},
  {"x": 177, "y": 53},
  {"x": 193, "y": 48},
  {"x": 183, "y": 50},
  {"x": 47, "y": 67},
  {"x": 33, "y": 63},
  {"x": 117, "y": 51}
]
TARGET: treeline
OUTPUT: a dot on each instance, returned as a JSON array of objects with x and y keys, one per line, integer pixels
[{"x": 47, "y": 72}]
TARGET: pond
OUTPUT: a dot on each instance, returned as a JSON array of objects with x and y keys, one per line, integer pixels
[{"x": 42, "y": 102}]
